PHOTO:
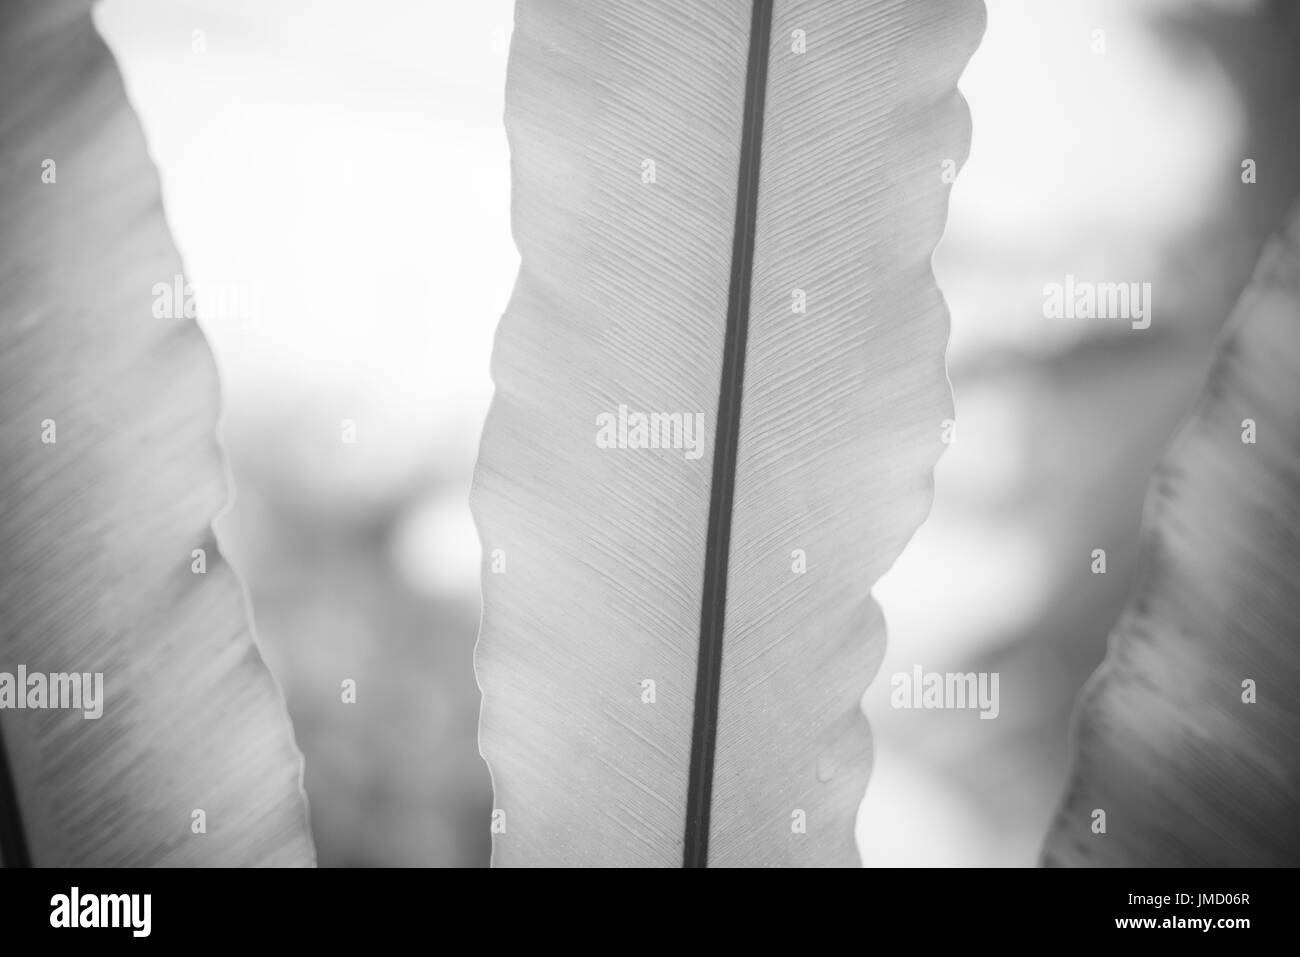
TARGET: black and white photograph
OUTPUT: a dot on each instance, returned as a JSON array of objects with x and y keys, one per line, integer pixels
[{"x": 628, "y": 434}]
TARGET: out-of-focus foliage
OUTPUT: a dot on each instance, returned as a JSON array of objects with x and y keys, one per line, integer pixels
[
  {"x": 338, "y": 171},
  {"x": 349, "y": 161},
  {"x": 109, "y": 481},
  {"x": 1188, "y": 737},
  {"x": 1123, "y": 165}
]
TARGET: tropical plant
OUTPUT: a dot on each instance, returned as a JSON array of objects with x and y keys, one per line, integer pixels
[
  {"x": 109, "y": 570},
  {"x": 720, "y": 395},
  {"x": 1187, "y": 739}
]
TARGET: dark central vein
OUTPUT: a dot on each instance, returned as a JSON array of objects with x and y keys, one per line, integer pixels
[
  {"x": 699, "y": 788},
  {"x": 13, "y": 845}
]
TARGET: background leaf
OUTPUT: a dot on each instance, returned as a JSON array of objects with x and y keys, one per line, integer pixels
[
  {"x": 1187, "y": 770},
  {"x": 99, "y": 527}
]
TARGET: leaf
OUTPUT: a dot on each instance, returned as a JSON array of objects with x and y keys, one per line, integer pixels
[
  {"x": 661, "y": 682},
  {"x": 1187, "y": 770},
  {"x": 99, "y": 525}
]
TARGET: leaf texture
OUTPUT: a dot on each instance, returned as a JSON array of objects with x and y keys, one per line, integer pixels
[
  {"x": 628, "y": 130},
  {"x": 1188, "y": 770},
  {"x": 98, "y": 527}
]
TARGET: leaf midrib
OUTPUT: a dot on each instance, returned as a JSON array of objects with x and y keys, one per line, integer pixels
[{"x": 699, "y": 788}]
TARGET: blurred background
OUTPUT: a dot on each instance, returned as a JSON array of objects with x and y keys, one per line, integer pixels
[{"x": 337, "y": 179}]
